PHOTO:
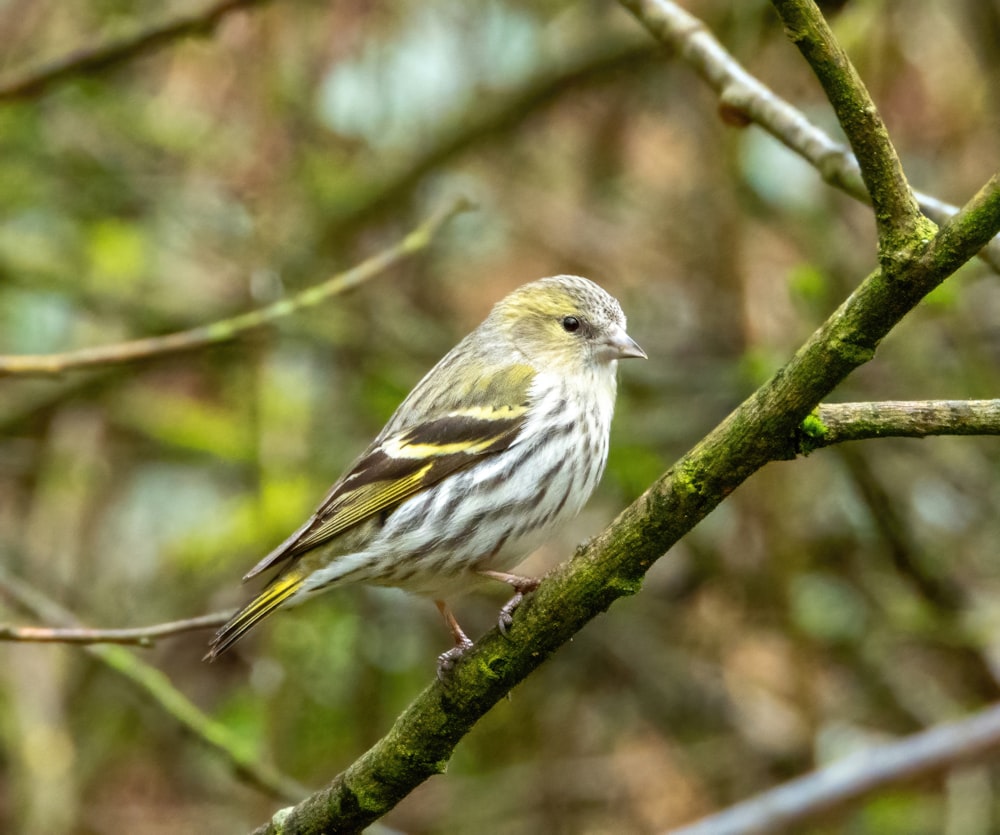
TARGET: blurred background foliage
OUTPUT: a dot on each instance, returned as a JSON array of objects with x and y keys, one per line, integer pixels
[{"x": 830, "y": 603}]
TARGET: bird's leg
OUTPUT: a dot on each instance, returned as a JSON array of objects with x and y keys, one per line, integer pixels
[
  {"x": 521, "y": 586},
  {"x": 446, "y": 660}
]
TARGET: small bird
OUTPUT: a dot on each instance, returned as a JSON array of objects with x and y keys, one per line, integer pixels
[{"x": 503, "y": 440}]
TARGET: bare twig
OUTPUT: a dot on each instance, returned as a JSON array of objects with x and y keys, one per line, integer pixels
[
  {"x": 748, "y": 99},
  {"x": 90, "y": 60},
  {"x": 144, "y": 636},
  {"x": 930, "y": 752},
  {"x": 158, "y": 688},
  {"x": 228, "y": 329}
]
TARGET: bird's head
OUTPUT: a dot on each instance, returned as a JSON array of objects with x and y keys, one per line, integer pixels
[{"x": 565, "y": 323}]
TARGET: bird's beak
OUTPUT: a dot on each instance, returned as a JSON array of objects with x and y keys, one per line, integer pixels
[{"x": 619, "y": 345}]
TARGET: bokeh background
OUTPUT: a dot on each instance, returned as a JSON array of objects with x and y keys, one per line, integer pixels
[{"x": 832, "y": 602}]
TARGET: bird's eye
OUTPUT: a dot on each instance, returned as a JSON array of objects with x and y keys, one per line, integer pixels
[{"x": 571, "y": 324}]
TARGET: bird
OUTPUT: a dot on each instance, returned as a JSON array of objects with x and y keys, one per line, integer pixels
[{"x": 499, "y": 444}]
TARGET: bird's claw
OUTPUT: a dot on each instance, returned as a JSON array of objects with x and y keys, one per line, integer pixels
[
  {"x": 506, "y": 617},
  {"x": 448, "y": 660},
  {"x": 521, "y": 586}
]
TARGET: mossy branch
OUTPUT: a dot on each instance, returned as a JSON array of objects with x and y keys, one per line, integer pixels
[
  {"x": 897, "y": 214},
  {"x": 613, "y": 564},
  {"x": 835, "y": 423}
]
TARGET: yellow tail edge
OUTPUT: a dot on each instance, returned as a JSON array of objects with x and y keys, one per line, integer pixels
[{"x": 253, "y": 613}]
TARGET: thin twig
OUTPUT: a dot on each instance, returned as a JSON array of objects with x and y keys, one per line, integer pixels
[
  {"x": 158, "y": 688},
  {"x": 744, "y": 98},
  {"x": 90, "y": 60},
  {"x": 929, "y": 752},
  {"x": 144, "y": 636},
  {"x": 228, "y": 329}
]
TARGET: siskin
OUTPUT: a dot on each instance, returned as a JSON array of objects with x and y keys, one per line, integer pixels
[{"x": 503, "y": 440}]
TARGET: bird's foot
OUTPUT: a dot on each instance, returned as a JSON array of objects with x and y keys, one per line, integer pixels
[
  {"x": 521, "y": 586},
  {"x": 447, "y": 660}
]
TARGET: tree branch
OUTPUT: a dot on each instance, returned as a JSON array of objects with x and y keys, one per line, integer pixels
[
  {"x": 826, "y": 425},
  {"x": 91, "y": 60},
  {"x": 228, "y": 329},
  {"x": 491, "y": 120},
  {"x": 923, "y": 754},
  {"x": 144, "y": 636},
  {"x": 613, "y": 564},
  {"x": 158, "y": 688},
  {"x": 743, "y": 98},
  {"x": 834, "y": 423}
]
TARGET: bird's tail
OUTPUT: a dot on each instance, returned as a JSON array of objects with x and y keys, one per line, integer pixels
[{"x": 256, "y": 610}]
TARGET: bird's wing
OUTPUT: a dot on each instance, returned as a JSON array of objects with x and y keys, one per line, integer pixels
[{"x": 405, "y": 463}]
